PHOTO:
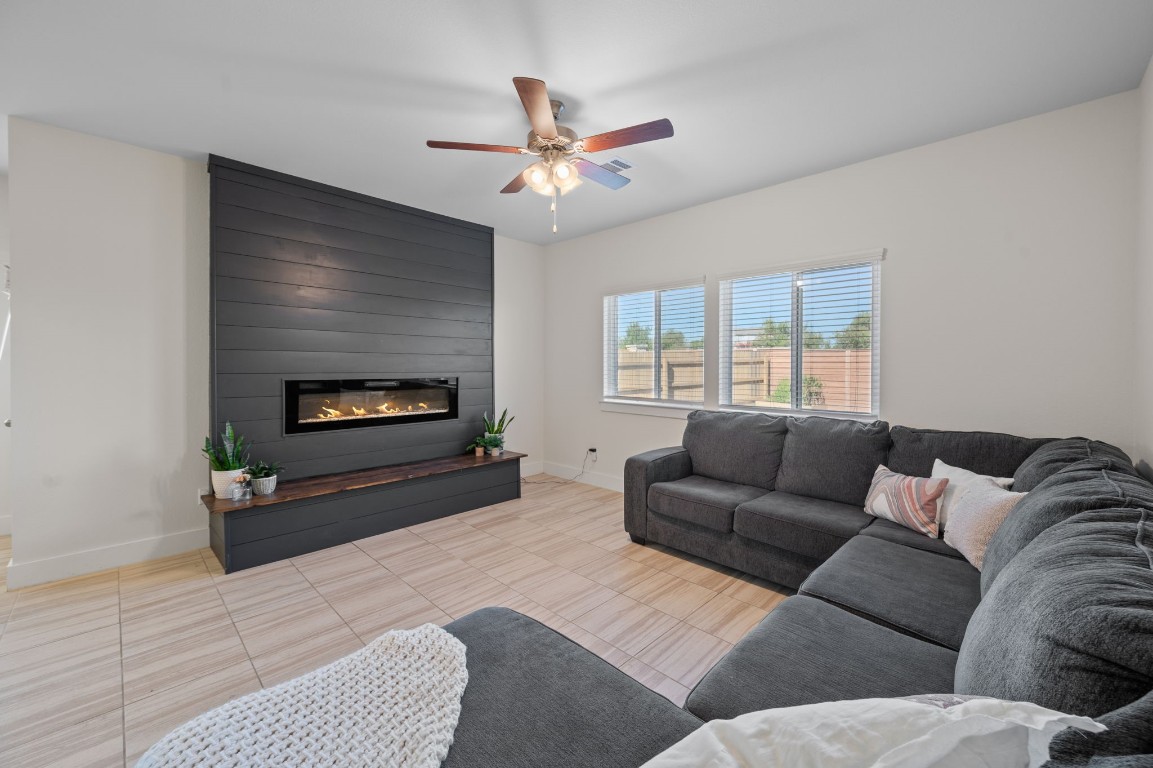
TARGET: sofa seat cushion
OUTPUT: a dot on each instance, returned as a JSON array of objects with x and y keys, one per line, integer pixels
[
  {"x": 1069, "y": 623},
  {"x": 1056, "y": 455},
  {"x": 1080, "y": 487},
  {"x": 701, "y": 500},
  {"x": 899, "y": 534},
  {"x": 832, "y": 459},
  {"x": 807, "y": 651},
  {"x": 986, "y": 453},
  {"x": 811, "y": 527},
  {"x": 919, "y": 593},
  {"x": 743, "y": 448},
  {"x": 536, "y": 698}
]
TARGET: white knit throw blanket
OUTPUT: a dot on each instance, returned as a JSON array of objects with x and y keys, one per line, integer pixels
[{"x": 393, "y": 703}]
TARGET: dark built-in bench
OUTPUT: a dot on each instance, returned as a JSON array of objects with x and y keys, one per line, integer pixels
[{"x": 315, "y": 513}]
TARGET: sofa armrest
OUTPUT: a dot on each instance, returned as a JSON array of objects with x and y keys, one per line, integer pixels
[{"x": 643, "y": 470}]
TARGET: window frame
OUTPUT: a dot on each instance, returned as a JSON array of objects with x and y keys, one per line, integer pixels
[
  {"x": 610, "y": 314},
  {"x": 724, "y": 374}
]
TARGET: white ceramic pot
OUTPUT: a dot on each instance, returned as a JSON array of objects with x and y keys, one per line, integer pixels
[
  {"x": 495, "y": 451},
  {"x": 262, "y": 486},
  {"x": 222, "y": 481}
]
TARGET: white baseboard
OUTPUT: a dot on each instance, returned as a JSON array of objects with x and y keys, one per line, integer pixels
[
  {"x": 32, "y": 572},
  {"x": 591, "y": 477},
  {"x": 5, "y": 525},
  {"x": 529, "y": 468}
]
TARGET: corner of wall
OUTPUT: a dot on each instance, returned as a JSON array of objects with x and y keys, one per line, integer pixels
[
  {"x": 1143, "y": 282},
  {"x": 519, "y": 345}
]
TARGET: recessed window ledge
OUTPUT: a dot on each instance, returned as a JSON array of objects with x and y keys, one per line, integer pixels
[
  {"x": 864, "y": 418},
  {"x": 663, "y": 410}
]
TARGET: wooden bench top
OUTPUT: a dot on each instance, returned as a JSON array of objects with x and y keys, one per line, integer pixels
[{"x": 323, "y": 485}]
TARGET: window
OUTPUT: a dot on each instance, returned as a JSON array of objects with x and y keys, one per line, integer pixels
[
  {"x": 803, "y": 340},
  {"x": 654, "y": 345}
]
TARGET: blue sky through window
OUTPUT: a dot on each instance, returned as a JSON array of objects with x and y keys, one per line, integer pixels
[
  {"x": 832, "y": 298},
  {"x": 682, "y": 309}
]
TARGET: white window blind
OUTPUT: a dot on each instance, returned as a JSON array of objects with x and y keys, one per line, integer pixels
[
  {"x": 804, "y": 340},
  {"x": 654, "y": 345}
]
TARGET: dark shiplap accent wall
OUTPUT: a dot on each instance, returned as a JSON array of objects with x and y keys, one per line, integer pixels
[{"x": 311, "y": 281}]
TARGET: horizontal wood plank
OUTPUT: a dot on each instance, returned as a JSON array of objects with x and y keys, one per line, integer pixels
[
  {"x": 296, "y": 340},
  {"x": 268, "y": 270},
  {"x": 333, "y": 214},
  {"x": 309, "y": 297},
  {"x": 408, "y": 260},
  {"x": 357, "y": 364},
  {"x": 271, "y": 383},
  {"x": 291, "y": 228},
  {"x": 309, "y": 319},
  {"x": 263, "y": 177}
]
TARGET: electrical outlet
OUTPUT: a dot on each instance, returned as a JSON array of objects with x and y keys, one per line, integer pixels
[
  {"x": 202, "y": 492},
  {"x": 593, "y": 451}
]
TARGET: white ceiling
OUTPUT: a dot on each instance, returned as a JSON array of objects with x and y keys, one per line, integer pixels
[{"x": 347, "y": 91}]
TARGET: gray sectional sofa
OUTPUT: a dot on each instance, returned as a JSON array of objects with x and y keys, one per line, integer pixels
[{"x": 1061, "y": 613}]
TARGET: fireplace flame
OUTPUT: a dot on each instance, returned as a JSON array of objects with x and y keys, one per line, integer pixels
[{"x": 350, "y": 411}]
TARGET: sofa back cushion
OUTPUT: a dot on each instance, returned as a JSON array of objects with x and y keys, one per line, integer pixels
[
  {"x": 832, "y": 459},
  {"x": 1054, "y": 456},
  {"x": 1080, "y": 487},
  {"x": 986, "y": 453},
  {"x": 742, "y": 448},
  {"x": 1067, "y": 624}
]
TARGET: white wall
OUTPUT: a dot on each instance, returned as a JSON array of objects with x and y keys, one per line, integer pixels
[
  {"x": 1006, "y": 300},
  {"x": 110, "y": 352},
  {"x": 5, "y": 375},
  {"x": 1143, "y": 283},
  {"x": 518, "y": 346}
]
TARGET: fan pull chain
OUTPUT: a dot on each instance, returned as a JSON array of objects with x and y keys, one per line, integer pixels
[{"x": 553, "y": 207}]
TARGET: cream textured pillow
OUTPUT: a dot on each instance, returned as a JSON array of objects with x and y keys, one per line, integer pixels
[
  {"x": 976, "y": 516},
  {"x": 907, "y": 501},
  {"x": 958, "y": 480},
  {"x": 881, "y": 733}
]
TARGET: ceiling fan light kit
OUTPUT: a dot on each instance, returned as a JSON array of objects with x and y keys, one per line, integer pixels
[{"x": 558, "y": 171}]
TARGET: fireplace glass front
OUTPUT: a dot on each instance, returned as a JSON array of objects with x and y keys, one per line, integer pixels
[{"x": 330, "y": 404}]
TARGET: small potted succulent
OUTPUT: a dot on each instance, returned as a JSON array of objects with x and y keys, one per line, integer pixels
[
  {"x": 496, "y": 428},
  {"x": 228, "y": 461},
  {"x": 264, "y": 477},
  {"x": 494, "y": 444}
]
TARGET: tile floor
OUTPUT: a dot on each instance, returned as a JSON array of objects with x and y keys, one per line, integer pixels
[{"x": 94, "y": 669}]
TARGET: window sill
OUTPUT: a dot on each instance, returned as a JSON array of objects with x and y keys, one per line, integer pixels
[
  {"x": 663, "y": 410},
  {"x": 861, "y": 417}
]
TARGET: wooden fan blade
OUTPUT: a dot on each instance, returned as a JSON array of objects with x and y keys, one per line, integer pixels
[
  {"x": 476, "y": 147},
  {"x": 534, "y": 97},
  {"x": 593, "y": 172},
  {"x": 516, "y": 185},
  {"x": 637, "y": 134}
]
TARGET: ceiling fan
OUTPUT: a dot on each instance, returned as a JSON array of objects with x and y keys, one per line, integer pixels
[{"x": 558, "y": 170}]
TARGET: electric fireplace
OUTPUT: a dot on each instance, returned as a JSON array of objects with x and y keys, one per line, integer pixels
[{"x": 332, "y": 404}]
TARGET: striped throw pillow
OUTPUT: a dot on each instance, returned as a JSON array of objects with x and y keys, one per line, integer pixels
[{"x": 907, "y": 501}]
